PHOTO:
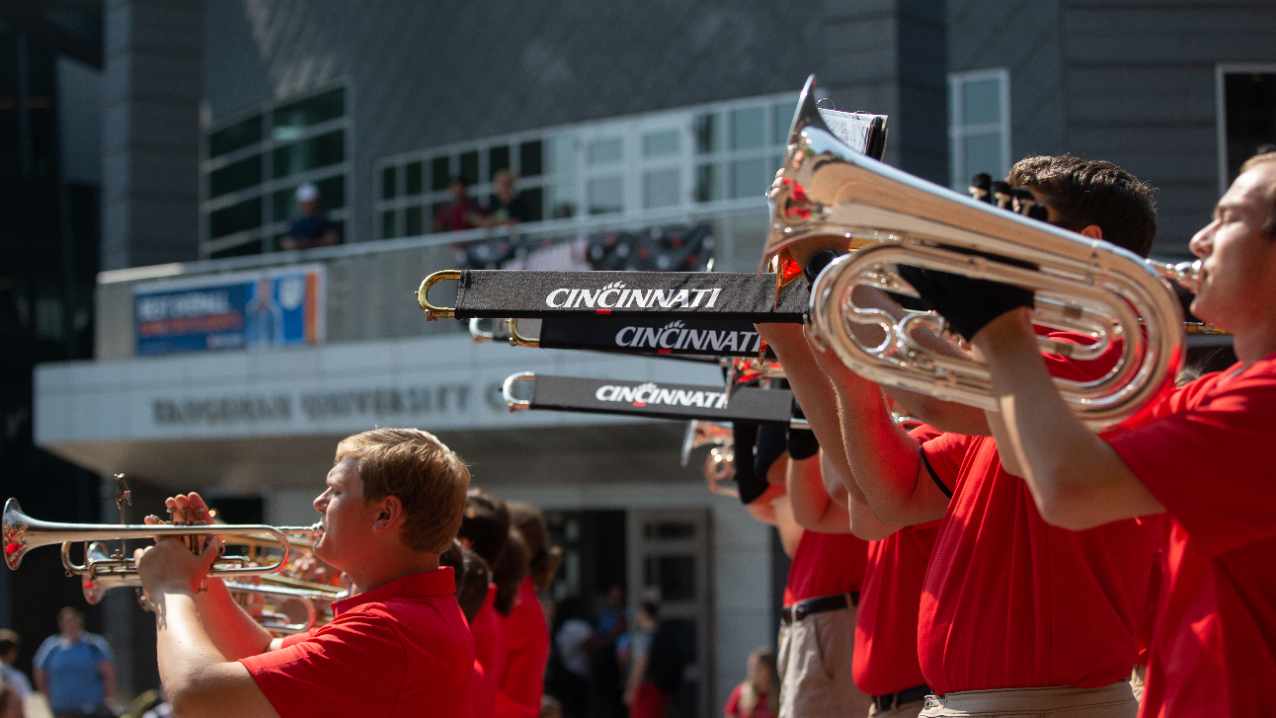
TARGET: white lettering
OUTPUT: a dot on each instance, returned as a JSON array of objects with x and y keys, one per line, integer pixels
[
  {"x": 549, "y": 301},
  {"x": 620, "y": 341}
]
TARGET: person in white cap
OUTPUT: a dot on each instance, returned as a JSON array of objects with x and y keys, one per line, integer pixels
[{"x": 312, "y": 229}]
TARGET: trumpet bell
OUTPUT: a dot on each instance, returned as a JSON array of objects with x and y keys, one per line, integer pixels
[{"x": 705, "y": 433}]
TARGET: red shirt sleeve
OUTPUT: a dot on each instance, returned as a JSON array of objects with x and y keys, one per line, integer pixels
[
  {"x": 1207, "y": 457},
  {"x": 945, "y": 454},
  {"x": 732, "y": 708},
  {"x": 354, "y": 666}
]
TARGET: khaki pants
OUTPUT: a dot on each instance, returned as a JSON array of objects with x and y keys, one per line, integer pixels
[
  {"x": 1138, "y": 681},
  {"x": 1114, "y": 701},
  {"x": 904, "y": 710},
  {"x": 815, "y": 667}
]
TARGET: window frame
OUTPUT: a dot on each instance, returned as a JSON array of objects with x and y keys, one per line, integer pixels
[{"x": 1221, "y": 71}]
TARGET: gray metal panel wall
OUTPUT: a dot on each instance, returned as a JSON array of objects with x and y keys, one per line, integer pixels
[{"x": 429, "y": 73}]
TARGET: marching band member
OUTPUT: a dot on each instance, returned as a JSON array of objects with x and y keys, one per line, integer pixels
[
  {"x": 1199, "y": 454},
  {"x": 1016, "y": 616},
  {"x": 485, "y": 529},
  {"x": 392, "y": 504},
  {"x": 523, "y": 678}
]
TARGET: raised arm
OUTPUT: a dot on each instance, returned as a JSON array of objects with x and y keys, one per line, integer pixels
[{"x": 1077, "y": 480}]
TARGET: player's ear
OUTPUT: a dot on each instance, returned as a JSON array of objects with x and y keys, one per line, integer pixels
[
  {"x": 1093, "y": 231},
  {"x": 389, "y": 514}
]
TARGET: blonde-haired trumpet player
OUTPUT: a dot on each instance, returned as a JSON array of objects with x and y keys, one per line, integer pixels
[{"x": 398, "y": 645}]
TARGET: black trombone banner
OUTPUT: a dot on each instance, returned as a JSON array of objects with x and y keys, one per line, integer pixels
[
  {"x": 737, "y": 296},
  {"x": 660, "y": 400},
  {"x": 634, "y": 335}
]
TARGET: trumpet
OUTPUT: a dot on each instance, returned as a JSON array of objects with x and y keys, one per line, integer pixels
[
  {"x": 891, "y": 218},
  {"x": 719, "y": 465},
  {"x": 22, "y": 533}
]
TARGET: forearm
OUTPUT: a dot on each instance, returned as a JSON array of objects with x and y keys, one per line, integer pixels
[
  {"x": 107, "y": 671},
  {"x": 185, "y": 651},
  {"x": 235, "y": 634},
  {"x": 1076, "y": 478},
  {"x": 812, "y": 507}
]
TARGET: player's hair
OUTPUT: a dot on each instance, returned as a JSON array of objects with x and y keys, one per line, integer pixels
[
  {"x": 472, "y": 578},
  {"x": 544, "y": 559},
  {"x": 1269, "y": 194},
  {"x": 415, "y": 467},
  {"x": 9, "y": 641},
  {"x": 510, "y": 572},
  {"x": 486, "y": 525},
  {"x": 1085, "y": 192}
]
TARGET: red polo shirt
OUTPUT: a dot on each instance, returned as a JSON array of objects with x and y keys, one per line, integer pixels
[
  {"x": 1205, "y": 452},
  {"x": 402, "y": 649},
  {"x": 1010, "y": 601},
  {"x": 885, "y": 659},
  {"x": 489, "y": 655},
  {"x": 523, "y": 681},
  {"x": 825, "y": 564}
]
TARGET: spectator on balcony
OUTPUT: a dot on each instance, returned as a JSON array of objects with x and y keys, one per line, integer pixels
[
  {"x": 508, "y": 208},
  {"x": 461, "y": 213},
  {"x": 312, "y": 229}
]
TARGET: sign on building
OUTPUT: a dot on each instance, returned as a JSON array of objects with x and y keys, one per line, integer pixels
[{"x": 242, "y": 310}]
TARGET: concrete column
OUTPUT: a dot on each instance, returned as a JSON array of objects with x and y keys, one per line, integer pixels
[
  {"x": 889, "y": 57},
  {"x": 153, "y": 85}
]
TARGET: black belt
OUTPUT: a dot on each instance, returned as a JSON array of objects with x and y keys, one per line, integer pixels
[
  {"x": 894, "y": 700},
  {"x": 792, "y": 614}
]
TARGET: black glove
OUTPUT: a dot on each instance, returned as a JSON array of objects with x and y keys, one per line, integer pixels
[
  {"x": 968, "y": 304},
  {"x": 802, "y": 444},
  {"x": 750, "y": 485},
  {"x": 771, "y": 446},
  {"x": 817, "y": 263}
]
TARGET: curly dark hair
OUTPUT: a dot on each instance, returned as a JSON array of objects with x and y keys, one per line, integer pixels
[{"x": 1085, "y": 192}]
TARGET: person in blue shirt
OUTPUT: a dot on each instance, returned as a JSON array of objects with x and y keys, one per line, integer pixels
[
  {"x": 312, "y": 229},
  {"x": 75, "y": 669}
]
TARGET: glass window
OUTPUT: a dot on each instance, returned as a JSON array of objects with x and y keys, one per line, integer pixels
[
  {"x": 666, "y": 143},
  {"x": 562, "y": 201},
  {"x": 748, "y": 178},
  {"x": 708, "y": 183},
  {"x": 529, "y": 159},
  {"x": 675, "y": 576},
  {"x": 781, "y": 119},
  {"x": 236, "y": 136},
  {"x": 440, "y": 173},
  {"x": 979, "y": 129},
  {"x": 234, "y": 177},
  {"x": 661, "y": 188},
  {"x": 605, "y": 151},
  {"x": 332, "y": 192},
  {"x": 469, "y": 167},
  {"x": 387, "y": 224},
  {"x": 748, "y": 128},
  {"x": 535, "y": 199},
  {"x": 1249, "y": 104},
  {"x": 562, "y": 155},
  {"x": 289, "y": 120},
  {"x": 389, "y": 185},
  {"x": 235, "y": 218},
  {"x": 412, "y": 180},
  {"x": 239, "y": 250},
  {"x": 413, "y": 224},
  {"x": 283, "y": 204},
  {"x": 321, "y": 151},
  {"x": 498, "y": 158},
  {"x": 605, "y": 195},
  {"x": 708, "y": 133}
]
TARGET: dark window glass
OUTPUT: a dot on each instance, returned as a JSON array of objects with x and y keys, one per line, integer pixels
[
  {"x": 387, "y": 224},
  {"x": 239, "y": 250},
  {"x": 389, "y": 186},
  {"x": 530, "y": 163},
  {"x": 440, "y": 173},
  {"x": 675, "y": 576},
  {"x": 1251, "y": 116},
  {"x": 332, "y": 192},
  {"x": 708, "y": 183},
  {"x": 670, "y": 530},
  {"x": 235, "y": 218},
  {"x": 235, "y": 176},
  {"x": 310, "y": 111},
  {"x": 434, "y": 211},
  {"x": 708, "y": 133},
  {"x": 535, "y": 198},
  {"x": 309, "y": 154},
  {"x": 498, "y": 158},
  {"x": 412, "y": 222},
  {"x": 469, "y": 167},
  {"x": 240, "y": 134},
  {"x": 412, "y": 178},
  {"x": 283, "y": 205}
]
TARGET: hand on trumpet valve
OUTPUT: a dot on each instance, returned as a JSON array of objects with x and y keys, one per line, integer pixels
[
  {"x": 179, "y": 563},
  {"x": 967, "y": 304}
]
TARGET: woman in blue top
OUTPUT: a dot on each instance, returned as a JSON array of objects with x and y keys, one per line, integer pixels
[{"x": 75, "y": 669}]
